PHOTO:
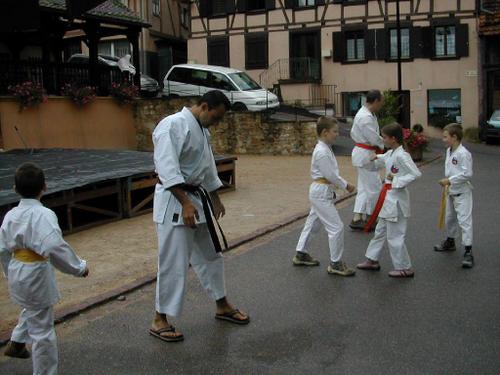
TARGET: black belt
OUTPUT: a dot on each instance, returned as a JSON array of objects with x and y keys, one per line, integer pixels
[{"x": 208, "y": 209}]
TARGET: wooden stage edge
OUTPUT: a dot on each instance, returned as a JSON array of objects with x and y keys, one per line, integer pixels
[{"x": 102, "y": 202}]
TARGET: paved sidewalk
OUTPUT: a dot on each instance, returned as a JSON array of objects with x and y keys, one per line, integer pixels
[
  {"x": 270, "y": 190},
  {"x": 444, "y": 321}
]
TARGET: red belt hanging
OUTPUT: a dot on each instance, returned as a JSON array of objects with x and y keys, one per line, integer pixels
[
  {"x": 378, "y": 207},
  {"x": 369, "y": 147}
]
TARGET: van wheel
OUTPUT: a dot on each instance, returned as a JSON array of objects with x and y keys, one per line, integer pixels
[{"x": 239, "y": 107}]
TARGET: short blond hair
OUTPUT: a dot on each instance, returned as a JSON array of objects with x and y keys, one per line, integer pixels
[
  {"x": 325, "y": 123},
  {"x": 454, "y": 129}
]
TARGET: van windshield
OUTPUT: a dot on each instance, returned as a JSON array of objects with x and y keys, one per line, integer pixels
[{"x": 244, "y": 82}]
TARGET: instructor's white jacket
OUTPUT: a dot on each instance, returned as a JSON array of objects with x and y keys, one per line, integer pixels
[
  {"x": 179, "y": 159},
  {"x": 365, "y": 130}
]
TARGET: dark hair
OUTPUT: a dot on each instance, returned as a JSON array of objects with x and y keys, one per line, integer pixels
[
  {"x": 214, "y": 99},
  {"x": 394, "y": 130},
  {"x": 325, "y": 123},
  {"x": 454, "y": 129},
  {"x": 29, "y": 180},
  {"x": 417, "y": 128},
  {"x": 373, "y": 95}
]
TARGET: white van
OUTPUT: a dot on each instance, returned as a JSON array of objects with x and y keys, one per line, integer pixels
[{"x": 195, "y": 80}]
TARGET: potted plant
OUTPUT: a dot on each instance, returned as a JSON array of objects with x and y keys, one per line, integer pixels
[{"x": 415, "y": 142}]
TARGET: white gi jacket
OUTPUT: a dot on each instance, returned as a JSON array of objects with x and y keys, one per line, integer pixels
[
  {"x": 458, "y": 169},
  {"x": 400, "y": 164},
  {"x": 365, "y": 130},
  {"x": 32, "y": 226},
  {"x": 324, "y": 165},
  {"x": 179, "y": 159}
]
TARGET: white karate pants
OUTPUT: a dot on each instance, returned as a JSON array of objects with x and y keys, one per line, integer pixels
[
  {"x": 395, "y": 233},
  {"x": 459, "y": 214},
  {"x": 325, "y": 211},
  {"x": 180, "y": 246},
  {"x": 369, "y": 186},
  {"x": 36, "y": 327}
]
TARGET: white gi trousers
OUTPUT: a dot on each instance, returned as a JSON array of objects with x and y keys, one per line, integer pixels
[
  {"x": 36, "y": 327},
  {"x": 459, "y": 214},
  {"x": 369, "y": 186},
  {"x": 323, "y": 209},
  {"x": 395, "y": 233},
  {"x": 180, "y": 246}
]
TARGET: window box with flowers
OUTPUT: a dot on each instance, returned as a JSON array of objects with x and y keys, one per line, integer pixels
[
  {"x": 28, "y": 94},
  {"x": 124, "y": 93},
  {"x": 80, "y": 95}
]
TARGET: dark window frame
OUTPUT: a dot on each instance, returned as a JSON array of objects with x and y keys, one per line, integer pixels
[
  {"x": 256, "y": 38},
  {"x": 446, "y": 55},
  {"x": 347, "y": 34},
  {"x": 389, "y": 45},
  {"x": 428, "y": 102},
  {"x": 215, "y": 42}
]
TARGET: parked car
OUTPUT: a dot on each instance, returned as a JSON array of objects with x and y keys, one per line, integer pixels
[
  {"x": 195, "y": 80},
  {"x": 490, "y": 129},
  {"x": 149, "y": 85}
]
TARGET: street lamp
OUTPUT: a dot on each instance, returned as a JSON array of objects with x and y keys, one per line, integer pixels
[{"x": 398, "y": 48}]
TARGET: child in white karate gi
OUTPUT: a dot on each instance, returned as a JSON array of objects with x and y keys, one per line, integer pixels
[
  {"x": 30, "y": 244},
  {"x": 395, "y": 208},
  {"x": 458, "y": 173},
  {"x": 325, "y": 175}
]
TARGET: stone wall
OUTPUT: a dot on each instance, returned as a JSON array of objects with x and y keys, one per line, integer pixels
[{"x": 238, "y": 133}]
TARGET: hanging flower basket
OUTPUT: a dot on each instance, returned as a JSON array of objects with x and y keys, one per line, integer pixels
[{"x": 28, "y": 94}]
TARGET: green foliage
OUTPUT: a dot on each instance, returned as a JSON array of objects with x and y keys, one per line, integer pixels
[{"x": 390, "y": 111}]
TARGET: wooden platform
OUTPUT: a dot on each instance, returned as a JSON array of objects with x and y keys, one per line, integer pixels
[{"x": 88, "y": 188}]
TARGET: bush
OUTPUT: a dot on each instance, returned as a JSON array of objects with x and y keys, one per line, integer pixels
[{"x": 390, "y": 111}]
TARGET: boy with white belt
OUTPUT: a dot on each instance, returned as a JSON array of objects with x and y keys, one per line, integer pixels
[{"x": 458, "y": 172}]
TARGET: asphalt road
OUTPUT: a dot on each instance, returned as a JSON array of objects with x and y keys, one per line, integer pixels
[{"x": 444, "y": 321}]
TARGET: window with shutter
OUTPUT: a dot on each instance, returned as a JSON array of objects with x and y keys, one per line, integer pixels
[
  {"x": 404, "y": 46},
  {"x": 355, "y": 45},
  {"x": 218, "y": 51},
  {"x": 444, "y": 41},
  {"x": 256, "y": 47}
]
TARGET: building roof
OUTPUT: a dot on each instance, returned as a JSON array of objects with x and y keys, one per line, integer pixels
[
  {"x": 110, "y": 10},
  {"x": 489, "y": 23}
]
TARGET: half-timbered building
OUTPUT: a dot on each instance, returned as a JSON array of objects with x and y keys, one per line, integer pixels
[{"x": 333, "y": 51}]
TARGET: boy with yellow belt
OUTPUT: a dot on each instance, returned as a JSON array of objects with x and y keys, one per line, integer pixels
[
  {"x": 30, "y": 244},
  {"x": 325, "y": 175}
]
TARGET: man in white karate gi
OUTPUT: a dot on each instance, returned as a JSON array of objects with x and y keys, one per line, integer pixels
[
  {"x": 365, "y": 133},
  {"x": 185, "y": 165}
]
